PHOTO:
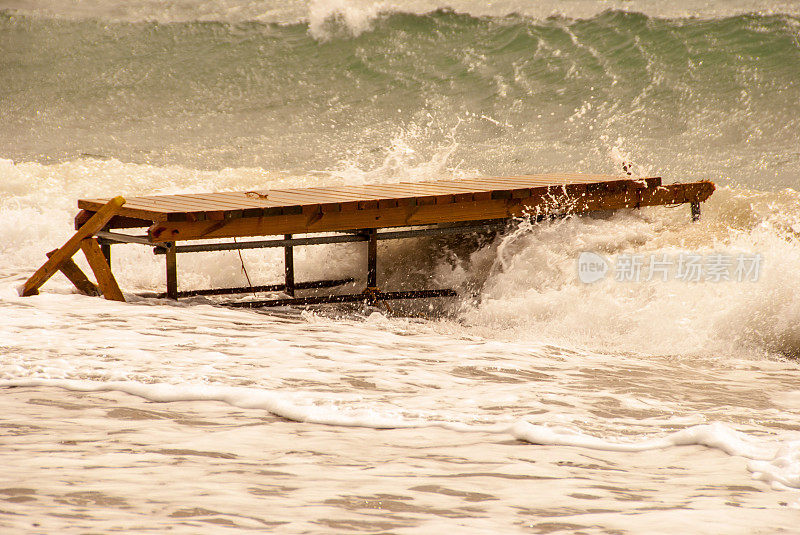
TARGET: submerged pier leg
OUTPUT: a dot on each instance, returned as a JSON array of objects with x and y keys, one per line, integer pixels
[
  {"x": 288, "y": 262},
  {"x": 372, "y": 258},
  {"x": 172, "y": 271},
  {"x": 105, "y": 247},
  {"x": 695, "y": 211}
]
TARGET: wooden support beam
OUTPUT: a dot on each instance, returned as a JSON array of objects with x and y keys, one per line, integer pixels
[
  {"x": 102, "y": 271},
  {"x": 115, "y": 222},
  {"x": 172, "y": 271},
  {"x": 71, "y": 271},
  {"x": 288, "y": 256},
  {"x": 95, "y": 223}
]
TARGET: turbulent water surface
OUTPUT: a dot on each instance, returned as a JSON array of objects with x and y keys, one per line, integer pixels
[{"x": 532, "y": 402}]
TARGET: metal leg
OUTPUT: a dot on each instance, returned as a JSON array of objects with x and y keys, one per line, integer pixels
[
  {"x": 695, "y": 211},
  {"x": 372, "y": 259},
  {"x": 289, "y": 267},
  {"x": 105, "y": 247},
  {"x": 172, "y": 271}
]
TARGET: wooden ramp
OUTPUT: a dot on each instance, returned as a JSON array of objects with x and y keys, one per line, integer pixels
[{"x": 356, "y": 213}]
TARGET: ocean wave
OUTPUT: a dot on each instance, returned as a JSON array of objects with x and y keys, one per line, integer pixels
[
  {"x": 293, "y": 11},
  {"x": 705, "y": 98}
]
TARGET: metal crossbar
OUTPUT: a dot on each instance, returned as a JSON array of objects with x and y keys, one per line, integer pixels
[{"x": 368, "y": 298}]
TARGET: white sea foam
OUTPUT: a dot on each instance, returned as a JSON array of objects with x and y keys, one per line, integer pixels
[
  {"x": 776, "y": 462},
  {"x": 329, "y": 18}
]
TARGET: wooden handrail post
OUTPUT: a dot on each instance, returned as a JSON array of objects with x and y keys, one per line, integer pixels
[{"x": 95, "y": 223}]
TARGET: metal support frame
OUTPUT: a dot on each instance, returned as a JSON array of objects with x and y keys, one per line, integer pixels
[
  {"x": 316, "y": 240},
  {"x": 105, "y": 248},
  {"x": 288, "y": 256},
  {"x": 172, "y": 271},
  {"x": 695, "y": 211},
  {"x": 370, "y": 296},
  {"x": 248, "y": 289},
  {"x": 372, "y": 259},
  {"x": 345, "y": 298}
]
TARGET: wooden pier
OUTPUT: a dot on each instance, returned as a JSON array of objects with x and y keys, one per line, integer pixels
[{"x": 336, "y": 214}]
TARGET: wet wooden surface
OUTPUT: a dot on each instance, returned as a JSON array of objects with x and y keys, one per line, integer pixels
[{"x": 323, "y": 209}]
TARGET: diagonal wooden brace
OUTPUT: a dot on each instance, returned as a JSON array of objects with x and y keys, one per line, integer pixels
[
  {"x": 94, "y": 224},
  {"x": 102, "y": 271},
  {"x": 71, "y": 271}
]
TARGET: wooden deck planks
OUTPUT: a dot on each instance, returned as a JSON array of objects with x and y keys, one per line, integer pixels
[
  {"x": 424, "y": 214},
  {"x": 311, "y": 209},
  {"x": 224, "y": 201},
  {"x": 233, "y": 200}
]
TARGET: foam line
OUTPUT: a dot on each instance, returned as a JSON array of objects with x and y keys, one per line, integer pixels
[{"x": 774, "y": 463}]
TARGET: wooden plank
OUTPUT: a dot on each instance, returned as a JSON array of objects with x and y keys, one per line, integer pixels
[
  {"x": 537, "y": 180},
  {"x": 186, "y": 203},
  {"x": 94, "y": 205},
  {"x": 561, "y": 178},
  {"x": 95, "y": 223},
  {"x": 332, "y": 195},
  {"x": 438, "y": 187},
  {"x": 426, "y": 198},
  {"x": 508, "y": 183},
  {"x": 143, "y": 203},
  {"x": 302, "y": 197},
  {"x": 115, "y": 222},
  {"x": 102, "y": 271},
  {"x": 71, "y": 270},
  {"x": 288, "y": 200},
  {"x": 417, "y": 191},
  {"x": 161, "y": 205},
  {"x": 429, "y": 190},
  {"x": 248, "y": 201},
  {"x": 379, "y": 194},
  {"x": 236, "y": 201},
  {"x": 231, "y": 200},
  {"x": 202, "y": 207},
  {"x": 364, "y": 193},
  {"x": 346, "y": 197}
]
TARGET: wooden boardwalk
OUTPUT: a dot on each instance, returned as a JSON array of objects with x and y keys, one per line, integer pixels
[{"x": 359, "y": 212}]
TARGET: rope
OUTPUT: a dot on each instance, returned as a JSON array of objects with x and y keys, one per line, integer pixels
[
  {"x": 371, "y": 294},
  {"x": 244, "y": 269}
]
